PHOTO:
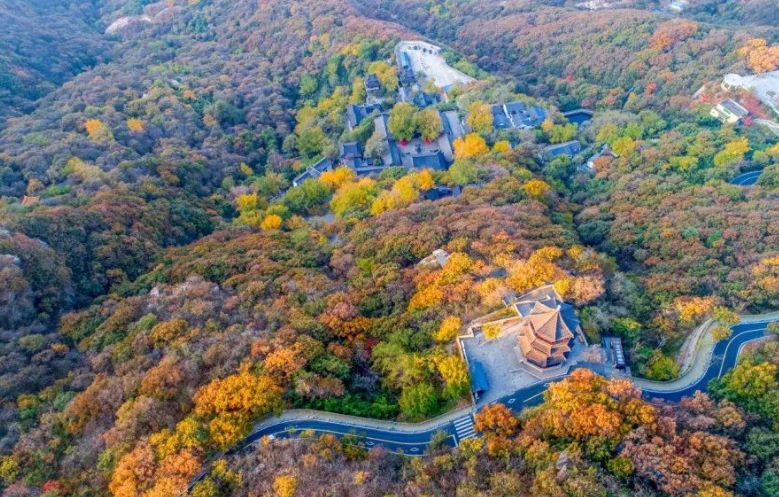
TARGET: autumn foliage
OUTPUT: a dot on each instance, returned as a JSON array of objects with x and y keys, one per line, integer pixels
[
  {"x": 471, "y": 145},
  {"x": 166, "y": 287},
  {"x": 480, "y": 117},
  {"x": 667, "y": 34},
  {"x": 98, "y": 131},
  {"x": 760, "y": 56},
  {"x": 136, "y": 125},
  {"x": 403, "y": 192},
  {"x": 232, "y": 403}
]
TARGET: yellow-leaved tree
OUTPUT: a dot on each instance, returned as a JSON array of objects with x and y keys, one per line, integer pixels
[
  {"x": 586, "y": 405},
  {"x": 733, "y": 152},
  {"x": 134, "y": 472},
  {"x": 141, "y": 473},
  {"x": 135, "y": 125},
  {"x": 492, "y": 330},
  {"x": 246, "y": 169},
  {"x": 404, "y": 191},
  {"x": 429, "y": 124},
  {"x": 501, "y": 146},
  {"x": 456, "y": 264},
  {"x": 540, "y": 269},
  {"x": 449, "y": 329},
  {"x": 480, "y": 117},
  {"x": 98, "y": 131},
  {"x": 338, "y": 177},
  {"x": 285, "y": 485},
  {"x": 426, "y": 297},
  {"x": 536, "y": 188},
  {"x": 271, "y": 222},
  {"x": 454, "y": 373},
  {"x": 231, "y": 404},
  {"x": 471, "y": 145},
  {"x": 83, "y": 171},
  {"x": 765, "y": 279},
  {"x": 249, "y": 206},
  {"x": 691, "y": 310},
  {"x": 760, "y": 56},
  {"x": 168, "y": 331},
  {"x": 354, "y": 198},
  {"x": 387, "y": 74}
]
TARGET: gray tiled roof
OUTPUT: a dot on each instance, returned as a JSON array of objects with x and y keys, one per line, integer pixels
[
  {"x": 350, "y": 150},
  {"x": 522, "y": 115},
  {"x": 423, "y": 100},
  {"x": 569, "y": 148},
  {"x": 407, "y": 77},
  {"x": 372, "y": 82},
  {"x": 299, "y": 179},
  {"x": 433, "y": 160},
  {"x": 734, "y": 108},
  {"x": 452, "y": 125},
  {"x": 356, "y": 114},
  {"x": 478, "y": 375},
  {"x": 499, "y": 118},
  {"x": 405, "y": 60},
  {"x": 323, "y": 165},
  {"x": 392, "y": 156},
  {"x": 313, "y": 171}
]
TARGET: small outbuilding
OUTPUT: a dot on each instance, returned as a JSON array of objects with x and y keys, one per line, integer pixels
[
  {"x": 313, "y": 171},
  {"x": 479, "y": 382},
  {"x": 30, "y": 200},
  {"x": 568, "y": 149},
  {"x": 729, "y": 112},
  {"x": 372, "y": 83}
]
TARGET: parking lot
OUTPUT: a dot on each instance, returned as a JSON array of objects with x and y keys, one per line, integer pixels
[
  {"x": 427, "y": 59},
  {"x": 766, "y": 87}
]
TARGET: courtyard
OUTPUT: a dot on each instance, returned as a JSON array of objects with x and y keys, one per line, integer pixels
[{"x": 505, "y": 367}]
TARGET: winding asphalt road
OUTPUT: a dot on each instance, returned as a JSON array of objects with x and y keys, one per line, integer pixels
[
  {"x": 723, "y": 358},
  {"x": 746, "y": 179},
  {"x": 410, "y": 443}
]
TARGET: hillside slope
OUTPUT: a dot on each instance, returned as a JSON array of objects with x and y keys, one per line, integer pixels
[
  {"x": 42, "y": 45},
  {"x": 162, "y": 286}
]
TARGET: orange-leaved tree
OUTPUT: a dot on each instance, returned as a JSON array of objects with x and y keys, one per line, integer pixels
[{"x": 760, "y": 56}]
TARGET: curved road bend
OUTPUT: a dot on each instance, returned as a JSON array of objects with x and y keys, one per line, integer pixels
[
  {"x": 410, "y": 442},
  {"x": 746, "y": 179},
  {"x": 723, "y": 358}
]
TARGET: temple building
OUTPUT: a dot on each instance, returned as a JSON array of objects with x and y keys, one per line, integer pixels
[{"x": 547, "y": 327}]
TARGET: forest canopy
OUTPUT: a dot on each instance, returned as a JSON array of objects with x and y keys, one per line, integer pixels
[{"x": 187, "y": 246}]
